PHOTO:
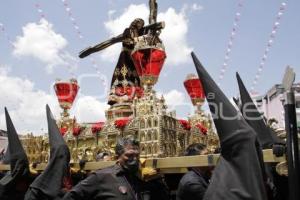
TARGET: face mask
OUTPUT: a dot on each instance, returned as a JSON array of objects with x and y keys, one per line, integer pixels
[{"x": 131, "y": 166}]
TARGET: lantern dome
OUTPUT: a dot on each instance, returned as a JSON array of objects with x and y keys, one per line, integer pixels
[
  {"x": 194, "y": 89},
  {"x": 148, "y": 60},
  {"x": 66, "y": 92}
]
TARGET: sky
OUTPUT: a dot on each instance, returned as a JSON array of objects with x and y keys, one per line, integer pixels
[{"x": 40, "y": 42}]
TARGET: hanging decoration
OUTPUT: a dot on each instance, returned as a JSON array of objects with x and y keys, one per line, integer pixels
[
  {"x": 270, "y": 42},
  {"x": 40, "y": 11},
  {"x": 78, "y": 32},
  {"x": 233, "y": 33},
  {"x": 42, "y": 15},
  {"x": 6, "y": 36}
]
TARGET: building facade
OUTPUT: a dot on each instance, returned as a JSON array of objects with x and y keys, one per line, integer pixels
[{"x": 271, "y": 104}]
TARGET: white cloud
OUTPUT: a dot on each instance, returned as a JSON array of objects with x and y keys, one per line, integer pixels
[
  {"x": 174, "y": 98},
  {"x": 174, "y": 35},
  {"x": 40, "y": 41},
  {"x": 89, "y": 109},
  {"x": 26, "y": 105},
  {"x": 116, "y": 26}
]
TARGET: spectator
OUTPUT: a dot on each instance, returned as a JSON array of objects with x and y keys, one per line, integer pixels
[
  {"x": 119, "y": 181},
  {"x": 195, "y": 182}
]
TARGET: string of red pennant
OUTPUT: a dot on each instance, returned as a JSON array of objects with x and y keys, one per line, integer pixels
[
  {"x": 76, "y": 27},
  {"x": 270, "y": 42},
  {"x": 233, "y": 34},
  {"x": 79, "y": 34}
]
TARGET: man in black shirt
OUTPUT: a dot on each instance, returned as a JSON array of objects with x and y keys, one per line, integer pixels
[
  {"x": 119, "y": 181},
  {"x": 195, "y": 182}
]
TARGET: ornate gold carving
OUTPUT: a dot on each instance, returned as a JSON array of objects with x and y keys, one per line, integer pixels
[{"x": 124, "y": 71}]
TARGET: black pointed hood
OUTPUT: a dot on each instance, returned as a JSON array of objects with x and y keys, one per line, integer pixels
[
  {"x": 49, "y": 183},
  {"x": 15, "y": 148},
  {"x": 236, "y": 101},
  {"x": 266, "y": 137},
  {"x": 238, "y": 175},
  {"x": 18, "y": 161}
]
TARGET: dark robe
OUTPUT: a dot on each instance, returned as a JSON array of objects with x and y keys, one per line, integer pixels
[
  {"x": 239, "y": 174},
  {"x": 124, "y": 63},
  {"x": 48, "y": 185},
  {"x": 114, "y": 183},
  {"x": 15, "y": 183},
  {"x": 192, "y": 186},
  {"x": 267, "y": 138}
]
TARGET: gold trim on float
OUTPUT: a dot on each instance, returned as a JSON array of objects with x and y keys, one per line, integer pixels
[{"x": 166, "y": 165}]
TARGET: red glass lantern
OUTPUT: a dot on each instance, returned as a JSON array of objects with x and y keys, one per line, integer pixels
[
  {"x": 148, "y": 63},
  {"x": 97, "y": 127},
  {"x": 66, "y": 92},
  {"x": 195, "y": 89},
  {"x": 185, "y": 124},
  {"x": 121, "y": 123},
  {"x": 202, "y": 128}
]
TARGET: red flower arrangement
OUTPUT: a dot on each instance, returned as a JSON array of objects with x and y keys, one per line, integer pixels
[
  {"x": 185, "y": 124},
  {"x": 97, "y": 127},
  {"x": 121, "y": 123},
  {"x": 202, "y": 128},
  {"x": 77, "y": 130},
  {"x": 63, "y": 130}
]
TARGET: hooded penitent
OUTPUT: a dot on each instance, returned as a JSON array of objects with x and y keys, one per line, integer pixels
[
  {"x": 14, "y": 184},
  {"x": 48, "y": 185},
  {"x": 266, "y": 136},
  {"x": 238, "y": 174}
]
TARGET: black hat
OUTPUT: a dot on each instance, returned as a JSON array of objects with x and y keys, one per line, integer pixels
[
  {"x": 19, "y": 164},
  {"x": 49, "y": 183},
  {"x": 266, "y": 136},
  {"x": 239, "y": 172}
]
